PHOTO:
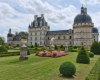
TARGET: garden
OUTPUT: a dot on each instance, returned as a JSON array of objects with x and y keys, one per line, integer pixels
[{"x": 80, "y": 63}]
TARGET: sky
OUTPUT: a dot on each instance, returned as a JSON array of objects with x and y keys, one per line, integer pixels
[{"x": 60, "y": 14}]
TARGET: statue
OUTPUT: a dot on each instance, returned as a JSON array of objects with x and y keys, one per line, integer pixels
[{"x": 52, "y": 40}]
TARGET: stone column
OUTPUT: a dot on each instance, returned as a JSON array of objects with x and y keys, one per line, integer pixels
[{"x": 23, "y": 53}]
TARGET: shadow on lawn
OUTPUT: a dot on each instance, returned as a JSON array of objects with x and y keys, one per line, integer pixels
[{"x": 73, "y": 77}]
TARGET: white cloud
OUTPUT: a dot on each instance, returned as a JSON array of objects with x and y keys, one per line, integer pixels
[
  {"x": 58, "y": 18},
  {"x": 91, "y": 2}
]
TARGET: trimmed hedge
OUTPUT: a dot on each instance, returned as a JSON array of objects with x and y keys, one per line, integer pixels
[
  {"x": 91, "y": 54},
  {"x": 95, "y": 72},
  {"x": 3, "y": 54},
  {"x": 95, "y": 48},
  {"x": 67, "y": 69},
  {"x": 82, "y": 56}
]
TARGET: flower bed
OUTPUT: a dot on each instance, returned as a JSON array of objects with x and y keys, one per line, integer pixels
[{"x": 44, "y": 54}]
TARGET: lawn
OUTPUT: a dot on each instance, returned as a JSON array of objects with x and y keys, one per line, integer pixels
[
  {"x": 41, "y": 68},
  {"x": 13, "y": 50}
]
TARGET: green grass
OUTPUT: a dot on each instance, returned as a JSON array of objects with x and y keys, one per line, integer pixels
[
  {"x": 13, "y": 50},
  {"x": 41, "y": 68}
]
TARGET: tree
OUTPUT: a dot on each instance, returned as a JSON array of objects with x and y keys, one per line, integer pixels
[
  {"x": 95, "y": 48},
  {"x": 2, "y": 41},
  {"x": 82, "y": 56}
]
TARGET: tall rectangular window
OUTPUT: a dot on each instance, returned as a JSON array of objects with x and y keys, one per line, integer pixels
[
  {"x": 64, "y": 37},
  {"x": 70, "y": 37},
  {"x": 35, "y": 38}
]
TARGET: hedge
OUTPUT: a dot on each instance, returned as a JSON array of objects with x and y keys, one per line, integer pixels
[
  {"x": 95, "y": 72},
  {"x": 3, "y": 54}
]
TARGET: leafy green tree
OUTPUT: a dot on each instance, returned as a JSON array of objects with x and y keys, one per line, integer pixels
[
  {"x": 82, "y": 56},
  {"x": 3, "y": 49},
  {"x": 2, "y": 41},
  {"x": 95, "y": 48}
]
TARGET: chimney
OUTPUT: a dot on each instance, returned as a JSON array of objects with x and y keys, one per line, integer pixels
[
  {"x": 85, "y": 10},
  {"x": 42, "y": 16},
  {"x": 35, "y": 18},
  {"x": 10, "y": 30},
  {"x": 31, "y": 24}
]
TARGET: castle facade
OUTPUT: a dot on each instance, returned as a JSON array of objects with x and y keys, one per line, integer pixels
[{"x": 83, "y": 32}]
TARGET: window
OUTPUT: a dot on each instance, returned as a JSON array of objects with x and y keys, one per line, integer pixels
[
  {"x": 35, "y": 33},
  {"x": 70, "y": 37},
  {"x": 31, "y": 38},
  {"x": 48, "y": 38},
  {"x": 31, "y": 43},
  {"x": 94, "y": 36},
  {"x": 35, "y": 38},
  {"x": 58, "y": 37},
  {"x": 64, "y": 37}
]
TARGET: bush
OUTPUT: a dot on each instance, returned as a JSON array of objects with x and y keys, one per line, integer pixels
[
  {"x": 54, "y": 53},
  {"x": 67, "y": 69},
  {"x": 36, "y": 48},
  {"x": 17, "y": 45},
  {"x": 36, "y": 45},
  {"x": 56, "y": 47},
  {"x": 91, "y": 54},
  {"x": 3, "y": 49},
  {"x": 4, "y": 54},
  {"x": 28, "y": 52},
  {"x": 95, "y": 48},
  {"x": 82, "y": 56},
  {"x": 32, "y": 46},
  {"x": 61, "y": 46}
]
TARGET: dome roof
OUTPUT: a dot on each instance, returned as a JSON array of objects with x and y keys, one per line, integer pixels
[
  {"x": 82, "y": 18},
  {"x": 95, "y": 30}
]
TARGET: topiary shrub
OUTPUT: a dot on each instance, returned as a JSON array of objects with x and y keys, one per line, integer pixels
[
  {"x": 91, "y": 54},
  {"x": 54, "y": 53},
  {"x": 61, "y": 46},
  {"x": 95, "y": 48},
  {"x": 28, "y": 52},
  {"x": 67, "y": 69},
  {"x": 82, "y": 56},
  {"x": 56, "y": 47},
  {"x": 32, "y": 46},
  {"x": 3, "y": 49}
]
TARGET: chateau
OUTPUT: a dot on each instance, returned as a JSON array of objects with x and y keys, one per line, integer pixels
[{"x": 83, "y": 32}]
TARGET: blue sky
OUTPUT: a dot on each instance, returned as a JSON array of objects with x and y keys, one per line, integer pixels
[{"x": 60, "y": 14}]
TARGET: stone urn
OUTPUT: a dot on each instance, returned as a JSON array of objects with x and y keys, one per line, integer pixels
[
  {"x": 23, "y": 50},
  {"x": 52, "y": 47}
]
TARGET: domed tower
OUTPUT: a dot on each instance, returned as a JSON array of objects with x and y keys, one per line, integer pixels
[
  {"x": 9, "y": 37},
  {"x": 82, "y": 27}
]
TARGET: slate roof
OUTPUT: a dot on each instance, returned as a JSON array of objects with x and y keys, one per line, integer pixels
[
  {"x": 18, "y": 36},
  {"x": 58, "y": 32},
  {"x": 10, "y": 35},
  {"x": 95, "y": 30},
  {"x": 82, "y": 18},
  {"x": 38, "y": 20}
]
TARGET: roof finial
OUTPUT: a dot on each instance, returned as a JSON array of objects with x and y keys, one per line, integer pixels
[{"x": 82, "y": 5}]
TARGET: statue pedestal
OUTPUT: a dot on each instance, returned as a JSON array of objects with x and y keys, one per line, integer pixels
[
  {"x": 23, "y": 53},
  {"x": 52, "y": 47},
  {"x": 66, "y": 48}
]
